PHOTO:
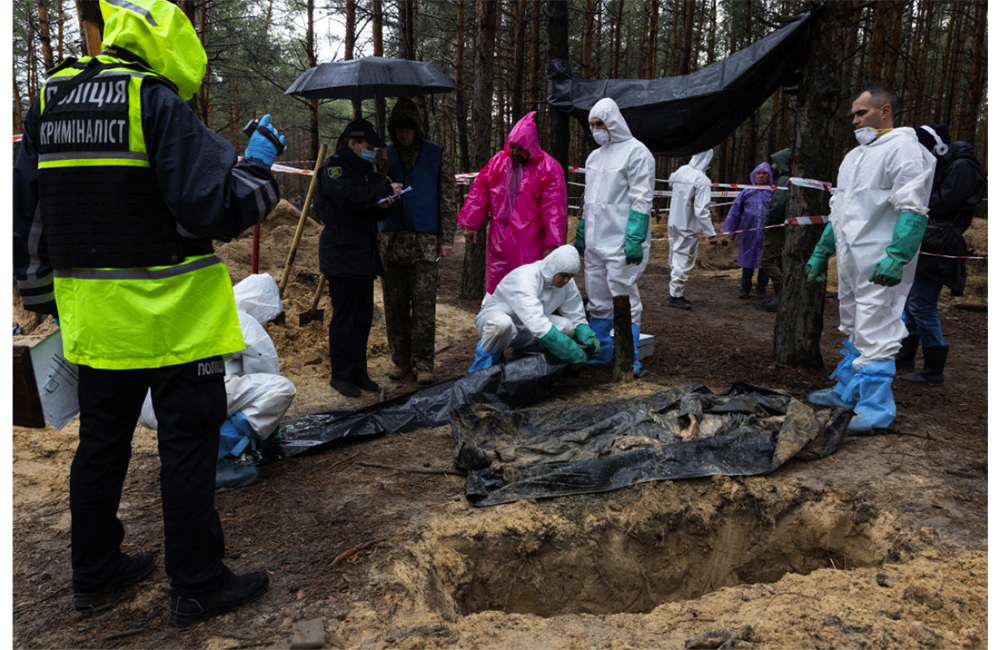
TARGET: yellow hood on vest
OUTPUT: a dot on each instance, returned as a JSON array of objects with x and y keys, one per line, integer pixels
[{"x": 159, "y": 33}]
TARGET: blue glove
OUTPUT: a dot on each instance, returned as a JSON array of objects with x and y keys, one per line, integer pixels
[{"x": 262, "y": 147}]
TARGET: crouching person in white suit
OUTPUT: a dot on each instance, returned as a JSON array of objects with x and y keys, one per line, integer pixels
[{"x": 537, "y": 303}]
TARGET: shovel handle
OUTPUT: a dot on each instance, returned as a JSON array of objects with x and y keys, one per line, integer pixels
[
  {"x": 319, "y": 292},
  {"x": 302, "y": 223}
]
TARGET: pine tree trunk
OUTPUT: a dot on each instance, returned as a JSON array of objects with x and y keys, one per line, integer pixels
[
  {"x": 535, "y": 90},
  {"x": 91, "y": 23},
  {"x": 895, "y": 43},
  {"x": 517, "y": 83},
  {"x": 45, "y": 34},
  {"x": 617, "y": 52},
  {"x": 350, "y": 32},
  {"x": 473, "y": 283},
  {"x": 62, "y": 23},
  {"x": 799, "y": 322},
  {"x": 18, "y": 106},
  {"x": 378, "y": 49},
  {"x": 977, "y": 79},
  {"x": 557, "y": 26},
  {"x": 588, "y": 39},
  {"x": 311, "y": 60},
  {"x": 954, "y": 71},
  {"x": 688, "y": 34},
  {"x": 462, "y": 124}
]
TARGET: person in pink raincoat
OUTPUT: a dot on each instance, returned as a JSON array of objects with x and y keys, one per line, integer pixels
[{"x": 524, "y": 189}]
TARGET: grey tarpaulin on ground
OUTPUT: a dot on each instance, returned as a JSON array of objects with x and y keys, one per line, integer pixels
[
  {"x": 680, "y": 116},
  {"x": 514, "y": 384},
  {"x": 547, "y": 452}
]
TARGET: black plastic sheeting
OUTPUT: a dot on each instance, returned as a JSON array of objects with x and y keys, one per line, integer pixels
[
  {"x": 550, "y": 452},
  {"x": 514, "y": 384},
  {"x": 681, "y": 116}
]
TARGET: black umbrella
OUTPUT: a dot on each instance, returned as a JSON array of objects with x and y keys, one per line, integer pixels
[{"x": 369, "y": 78}]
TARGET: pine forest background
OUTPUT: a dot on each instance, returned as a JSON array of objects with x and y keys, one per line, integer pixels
[{"x": 932, "y": 54}]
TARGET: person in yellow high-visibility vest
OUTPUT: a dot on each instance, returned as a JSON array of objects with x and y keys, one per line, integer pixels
[{"x": 119, "y": 191}]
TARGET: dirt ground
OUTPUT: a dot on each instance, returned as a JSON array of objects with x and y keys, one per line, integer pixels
[{"x": 881, "y": 545}]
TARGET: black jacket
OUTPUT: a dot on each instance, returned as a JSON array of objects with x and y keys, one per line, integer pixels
[
  {"x": 349, "y": 190},
  {"x": 959, "y": 186}
]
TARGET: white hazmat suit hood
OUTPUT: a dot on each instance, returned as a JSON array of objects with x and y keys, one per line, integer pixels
[
  {"x": 607, "y": 111},
  {"x": 564, "y": 259}
]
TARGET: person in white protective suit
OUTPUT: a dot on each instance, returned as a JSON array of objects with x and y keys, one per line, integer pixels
[
  {"x": 536, "y": 303},
  {"x": 613, "y": 233},
  {"x": 690, "y": 194},
  {"x": 878, "y": 215}
]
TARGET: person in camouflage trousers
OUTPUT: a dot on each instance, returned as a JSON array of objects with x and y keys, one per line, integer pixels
[{"x": 419, "y": 231}]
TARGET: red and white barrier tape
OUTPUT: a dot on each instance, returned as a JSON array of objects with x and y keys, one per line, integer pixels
[
  {"x": 808, "y": 182},
  {"x": 17, "y": 138}
]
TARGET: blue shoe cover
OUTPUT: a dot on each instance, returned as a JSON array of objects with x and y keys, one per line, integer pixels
[
  {"x": 602, "y": 329},
  {"x": 636, "y": 366},
  {"x": 840, "y": 394},
  {"x": 875, "y": 408},
  {"x": 483, "y": 360}
]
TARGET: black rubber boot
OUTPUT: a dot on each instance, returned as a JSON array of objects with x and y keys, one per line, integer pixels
[
  {"x": 933, "y": 371},
  {"x": 906, "y": 357}
]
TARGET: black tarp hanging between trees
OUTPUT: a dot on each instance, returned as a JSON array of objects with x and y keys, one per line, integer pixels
[
  {"x": 681, "y": 116},
  {"x": 680, "y": 433}
]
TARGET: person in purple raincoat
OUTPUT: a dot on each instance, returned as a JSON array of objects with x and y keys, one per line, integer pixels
[
  {"x": 524, "y": 189},
  {"x": 749, "y": 213}
]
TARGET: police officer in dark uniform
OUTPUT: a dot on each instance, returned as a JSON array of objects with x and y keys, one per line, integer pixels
[
  {"x": 119, "y": 191},
  {"x": 353, "y": 197}
]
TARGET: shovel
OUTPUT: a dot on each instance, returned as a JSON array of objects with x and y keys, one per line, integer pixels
[
  {"x": 301, "y": 225},
  {"x": 307, "y": 317}
]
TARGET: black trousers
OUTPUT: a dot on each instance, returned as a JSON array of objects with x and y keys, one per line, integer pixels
[
  {"x": 353, "y": 303},
  {"x": 190, "y": 405}
]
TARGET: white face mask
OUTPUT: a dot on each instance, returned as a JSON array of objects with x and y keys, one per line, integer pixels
[
  {"x": 601, "y": 136},
  {"x": 865, "y": 135}
]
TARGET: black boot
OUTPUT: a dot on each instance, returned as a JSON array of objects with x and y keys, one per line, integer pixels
[
  {"x": 772, "y": 303},
  {"x": 363, "y": 381},
  {"x": 933, "y": 371},
  {"x": 235, "y": 592},
  {"x": 905, "y": 358}
]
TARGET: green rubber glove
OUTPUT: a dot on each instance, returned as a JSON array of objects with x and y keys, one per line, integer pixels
[
  {"x": 906, "y": 238},
  {"x": 563, "y": 347},
  {"x": 587, "y": 340},
  {"x": 635, "y": 234},
  {"x": 580, "y": 242},
  {"x": 827, "y": 246}
]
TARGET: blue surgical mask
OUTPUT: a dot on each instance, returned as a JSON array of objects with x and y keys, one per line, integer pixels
[{"x": 368, "y": 155}]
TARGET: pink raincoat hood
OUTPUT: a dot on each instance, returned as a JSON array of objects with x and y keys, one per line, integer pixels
[{"x": 525, "y": 134}]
